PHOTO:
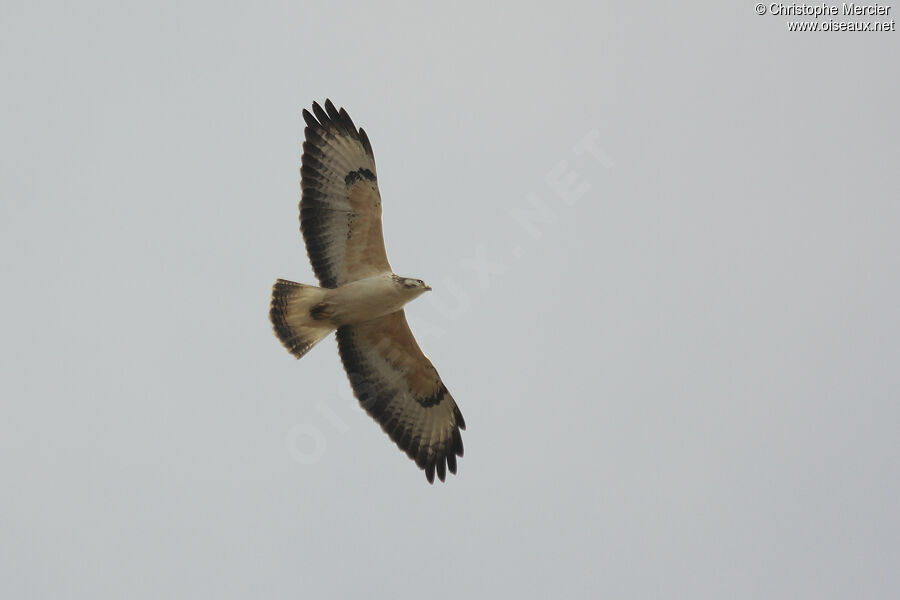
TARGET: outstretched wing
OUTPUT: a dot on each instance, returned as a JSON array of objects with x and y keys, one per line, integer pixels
[
  {"x": 400, "y": 388},
  {"x": 340, "y": 208}
]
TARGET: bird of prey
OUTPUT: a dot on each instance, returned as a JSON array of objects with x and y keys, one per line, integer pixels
[{"x": 361, "y": 298}]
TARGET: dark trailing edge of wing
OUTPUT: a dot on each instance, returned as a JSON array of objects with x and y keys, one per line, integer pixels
[{"x": 376, "y": 397}]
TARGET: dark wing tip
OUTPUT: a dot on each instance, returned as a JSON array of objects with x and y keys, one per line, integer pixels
[
  {"x": 348, "y": 124},
  {"x": 429, "y": 473},
  {"x": 332, "y": 118},
  {"x": 457, "y": 443},
  {"x": 365, "y": 142},
  {"x": 331, "y": 110},
  {"x": 310, "y": 120},
  {"x": 441, "y": 469},
  {"x": 320, "y": 114},
  {"x": 460, "y": 422}
]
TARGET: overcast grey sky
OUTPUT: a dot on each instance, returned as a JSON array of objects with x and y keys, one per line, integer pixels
[{"x": 664, "y": 250}]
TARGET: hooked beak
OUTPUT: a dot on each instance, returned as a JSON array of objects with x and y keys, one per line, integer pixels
[{"x": 427, "y": 288}]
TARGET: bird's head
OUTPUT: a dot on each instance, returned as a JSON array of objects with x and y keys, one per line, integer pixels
[{"x": 410, "y": 285}]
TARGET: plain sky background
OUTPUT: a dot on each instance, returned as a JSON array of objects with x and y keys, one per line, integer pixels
[{"x": 677, "y": 351}]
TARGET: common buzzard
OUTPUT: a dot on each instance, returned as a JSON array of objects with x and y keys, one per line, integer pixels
[{"x": 361, "y": 297}]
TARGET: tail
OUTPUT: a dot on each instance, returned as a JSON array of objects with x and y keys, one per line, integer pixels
[{"x": 298, "y": 315}]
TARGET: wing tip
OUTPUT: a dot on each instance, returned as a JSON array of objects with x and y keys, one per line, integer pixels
[
  {"x": 310, "y": 119},
  {"x": 331, "y": 117},
  {"x": 457, "y": 443},
  {"x": 331, "y": 110},
  {"x": 321, "y": 115},
  {"x": 441, "y": 465},
  {"x": 457, "y": 414}
]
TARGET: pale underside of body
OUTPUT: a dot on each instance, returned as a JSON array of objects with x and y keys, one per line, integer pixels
[
  {"x": 305, "y": 313},
  {"x": 369, "y": 298}
]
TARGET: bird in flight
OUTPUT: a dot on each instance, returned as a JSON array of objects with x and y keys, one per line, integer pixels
[{"x": 361, "y": 298}]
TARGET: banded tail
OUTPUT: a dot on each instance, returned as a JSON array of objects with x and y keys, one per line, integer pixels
[{"x": 298, "y": 316}]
